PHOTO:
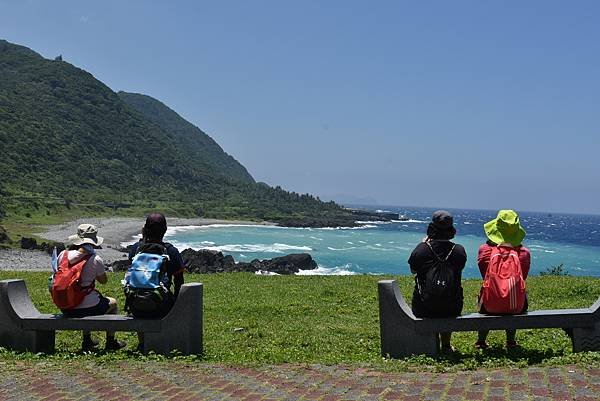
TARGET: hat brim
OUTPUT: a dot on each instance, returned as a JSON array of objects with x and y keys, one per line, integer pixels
[
  {"x": 77, "y": 240},
  {"x": 498, "y": 237}
]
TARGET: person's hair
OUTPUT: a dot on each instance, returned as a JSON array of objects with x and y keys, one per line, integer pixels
[
  {"x": 435, "y": 232},
  {"x": 155, "y": 227}
]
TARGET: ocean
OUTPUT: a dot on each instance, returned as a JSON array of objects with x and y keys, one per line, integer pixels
[{"x": 384, "y": 247}]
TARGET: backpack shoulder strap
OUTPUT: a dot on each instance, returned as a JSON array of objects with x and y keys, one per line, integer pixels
[
  {"x": 432, "y": 251},
  {"x": 450, "y": 253}
]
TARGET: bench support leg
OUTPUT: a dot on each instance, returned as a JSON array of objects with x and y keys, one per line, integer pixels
[
  {"x": 13, "y": 294},
  {"x": 397, "y": 326},
  {"x": 586, "y": 339},
  {"x": 182, "y": 328}
]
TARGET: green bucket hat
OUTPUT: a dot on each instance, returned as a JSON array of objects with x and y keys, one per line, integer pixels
[{"x": 505, "y": 228}]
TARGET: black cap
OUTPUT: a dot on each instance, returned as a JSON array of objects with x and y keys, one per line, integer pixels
[{"x": 442, "y": 219}]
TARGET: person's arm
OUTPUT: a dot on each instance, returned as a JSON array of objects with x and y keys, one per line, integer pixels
[
  {"x": 102, "y": 279},
  {"x": 462, "y": 254},
  {"x": 416, "y": 259},
  {"x": 178, "y": 268},
  {"x": 483, "y": 258},
  {"x": 100, "y": 269},
  {"x": 177, "y": 283},
  {"x": 525, "y": 259}
]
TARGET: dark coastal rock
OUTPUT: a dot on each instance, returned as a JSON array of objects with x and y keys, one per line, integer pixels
[
  {"x": 28, "y": 243},
  {"x": 3, "y": 235},
  {"x": 288, "y": 264},
  {"x": 120, "y": 265},
  {"x": 49, "y": 246},
  {"x": 207, "y": 261},
  {"x": 31, "y": 244}
]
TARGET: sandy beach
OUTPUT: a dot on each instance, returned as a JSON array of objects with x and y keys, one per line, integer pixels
[{"x": 114, "y": 230}]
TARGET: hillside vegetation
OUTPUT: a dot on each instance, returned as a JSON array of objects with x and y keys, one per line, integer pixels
[{"x": 69, "y": 142}]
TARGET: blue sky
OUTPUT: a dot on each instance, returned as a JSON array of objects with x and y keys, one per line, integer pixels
[{"x": 474, "y": 104}]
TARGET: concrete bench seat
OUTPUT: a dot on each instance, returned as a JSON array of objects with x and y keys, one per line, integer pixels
[
  {"x": 403, "y": 334},
  {"x": 24, "y": 328}
]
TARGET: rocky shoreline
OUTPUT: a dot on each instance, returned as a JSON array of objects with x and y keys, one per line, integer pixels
[
  {"x": 117, "y": 231},
  {"x": 34, "y": 256}
]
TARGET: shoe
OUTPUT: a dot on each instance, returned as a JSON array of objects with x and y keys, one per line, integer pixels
[
  {"x": 511, "y": 345},
  {"x": 481, "y": 345},
  {"x": 89, "y": 344},
  {"x": 114, "y": 345}
]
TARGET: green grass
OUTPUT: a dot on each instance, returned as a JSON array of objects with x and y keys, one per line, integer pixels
[{"x": 253, "y": 319}]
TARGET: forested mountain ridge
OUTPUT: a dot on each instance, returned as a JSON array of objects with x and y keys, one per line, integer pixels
[
  {"x": 188, "y": 138},
  {"x": 68, "y": 139}
]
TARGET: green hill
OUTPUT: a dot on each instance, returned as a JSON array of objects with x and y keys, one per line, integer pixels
[
  {"x": 188, "y": 139},
  {"x": 69, "y": 141}
]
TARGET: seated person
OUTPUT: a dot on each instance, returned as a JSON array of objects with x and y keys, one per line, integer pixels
[
  {"x": 83, "y": 246},
  {"x": 436, "y": 251},
  {"x": 152, "y": 242}
]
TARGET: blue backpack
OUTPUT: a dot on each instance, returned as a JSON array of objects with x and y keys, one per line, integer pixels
[{"x": 146, "y": 282}]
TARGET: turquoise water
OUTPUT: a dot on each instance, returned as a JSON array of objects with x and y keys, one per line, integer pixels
[{"x": 377, "y": 248}]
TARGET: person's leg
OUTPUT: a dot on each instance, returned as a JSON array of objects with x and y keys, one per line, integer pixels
[
  {"x": 511, "y": 338},
  {"x": 481, "y": 338},
  {"x": 140, "y": 346},
  {"x": 88, "y": 343},
  {"x": 111, "y": 342},
  {"x": 445, "y": 341}
]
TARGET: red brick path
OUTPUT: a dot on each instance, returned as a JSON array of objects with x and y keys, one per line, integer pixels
[{"x": 120, "y": 381}]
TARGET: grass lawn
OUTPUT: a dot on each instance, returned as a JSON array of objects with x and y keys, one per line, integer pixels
[{"x": 252, "y": 319}]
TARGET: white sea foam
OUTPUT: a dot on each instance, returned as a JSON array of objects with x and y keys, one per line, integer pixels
[
  {"x": 350, "y": 242},
  {"x": 409, "y": 221},
  {"x": 177, "y": 229},
  {"x": 266, "y": 273},
  {"x": 549, "y": 251},
  {"x": 317, "y": 238},
  {"x": 382, "y": 211},
  {"x": 363, "y": 242},
  {"x": 378, "y": 222},
  {"x": 467, "y": 222},
  {"x": 254, "y": 248},
  {"x": 347, "y": 228},
  {"x": 340, "y": 249},
  {"x": 328, "y": 271}
]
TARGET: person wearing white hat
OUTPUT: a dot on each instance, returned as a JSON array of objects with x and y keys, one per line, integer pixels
[{"x": 82, "y": 245}]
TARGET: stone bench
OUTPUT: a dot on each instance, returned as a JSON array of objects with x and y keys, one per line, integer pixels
[
  {"x": 403, "y": 334},
  {"x": 24, "y": 328}
]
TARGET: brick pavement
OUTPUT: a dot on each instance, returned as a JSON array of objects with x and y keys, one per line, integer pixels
[{"x": 22, "y": 380}]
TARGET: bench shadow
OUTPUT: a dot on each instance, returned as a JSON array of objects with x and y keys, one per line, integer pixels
[{"x": 517, "y": 354}]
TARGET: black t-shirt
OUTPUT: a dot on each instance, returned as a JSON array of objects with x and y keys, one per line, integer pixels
[{"x": 421, "y": 260}]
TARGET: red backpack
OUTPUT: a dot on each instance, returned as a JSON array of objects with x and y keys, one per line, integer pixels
[
  {"x": 503, "y": 289},
  {"x": 67, "y": 291}
]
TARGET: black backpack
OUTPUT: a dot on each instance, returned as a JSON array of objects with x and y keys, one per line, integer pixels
[
  {"x": 441, "y": 285},
  {"x": 148, "y": 297}
]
